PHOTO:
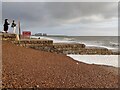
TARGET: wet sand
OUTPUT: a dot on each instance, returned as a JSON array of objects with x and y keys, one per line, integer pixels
[{"x": 29, "y": 68}]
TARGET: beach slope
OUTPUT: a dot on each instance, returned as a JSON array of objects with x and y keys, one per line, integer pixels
[{"x": 29, "y": 68}]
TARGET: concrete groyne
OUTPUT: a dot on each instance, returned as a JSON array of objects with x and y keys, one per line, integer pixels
[
  {"x": 74, "y": 49},
  {"x": 34, "y": 42},
  {"x": 59, "y": 48},
  {"x": 7, "y": 36},
  {"x": 65, "y": 48}
]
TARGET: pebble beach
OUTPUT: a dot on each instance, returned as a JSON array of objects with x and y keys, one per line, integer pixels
[{"x": 28, "y": 68}]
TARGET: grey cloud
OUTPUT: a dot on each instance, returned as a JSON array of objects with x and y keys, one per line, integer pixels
[
  {"x": 53, "y": 14},
  {"x": 73, "y": 9},
  {"x": 58, "y": 10}
]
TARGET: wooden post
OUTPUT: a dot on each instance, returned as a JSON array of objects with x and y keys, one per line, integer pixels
[{"x": 19, "y": 30}]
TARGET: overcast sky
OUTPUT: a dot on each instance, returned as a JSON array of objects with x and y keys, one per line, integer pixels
[{"x": 65, "y": 18}]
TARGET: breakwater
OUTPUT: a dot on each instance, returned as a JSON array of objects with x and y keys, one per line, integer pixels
[
  {"x": 64, "y": 48},
  {"x": 8, "y": 36},
  {"x": 59, "y": 48}
]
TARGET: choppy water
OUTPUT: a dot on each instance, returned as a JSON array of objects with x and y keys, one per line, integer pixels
[{"x": 110, "y": 42}]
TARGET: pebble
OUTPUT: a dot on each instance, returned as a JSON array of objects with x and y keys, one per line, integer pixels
[
  {"x": 50, "y": 69},
  {"x": 77, "y": 63}
]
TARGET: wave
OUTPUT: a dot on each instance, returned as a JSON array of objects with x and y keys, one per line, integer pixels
[
  {"x": 69, "y": 39},
  {"x": 102, "y": 44},
  {"x": 109, "y": 60}
]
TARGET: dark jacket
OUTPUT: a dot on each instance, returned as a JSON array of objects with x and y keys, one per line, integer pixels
[{"x": 6, "y": 25}]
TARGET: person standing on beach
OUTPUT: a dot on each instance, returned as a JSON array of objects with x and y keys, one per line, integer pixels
[
  {"x": 6, "y": 25},
  {"x": 13, "y": 26}
]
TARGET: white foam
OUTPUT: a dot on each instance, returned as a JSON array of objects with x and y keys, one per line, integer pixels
[
  {"x": 109, "y": 60},
  {"x": 54, "y": 39},
  {"x": 110, "y": 48}
]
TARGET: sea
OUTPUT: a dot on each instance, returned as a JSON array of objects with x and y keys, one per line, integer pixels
[{"x": 109, "y": 42}]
